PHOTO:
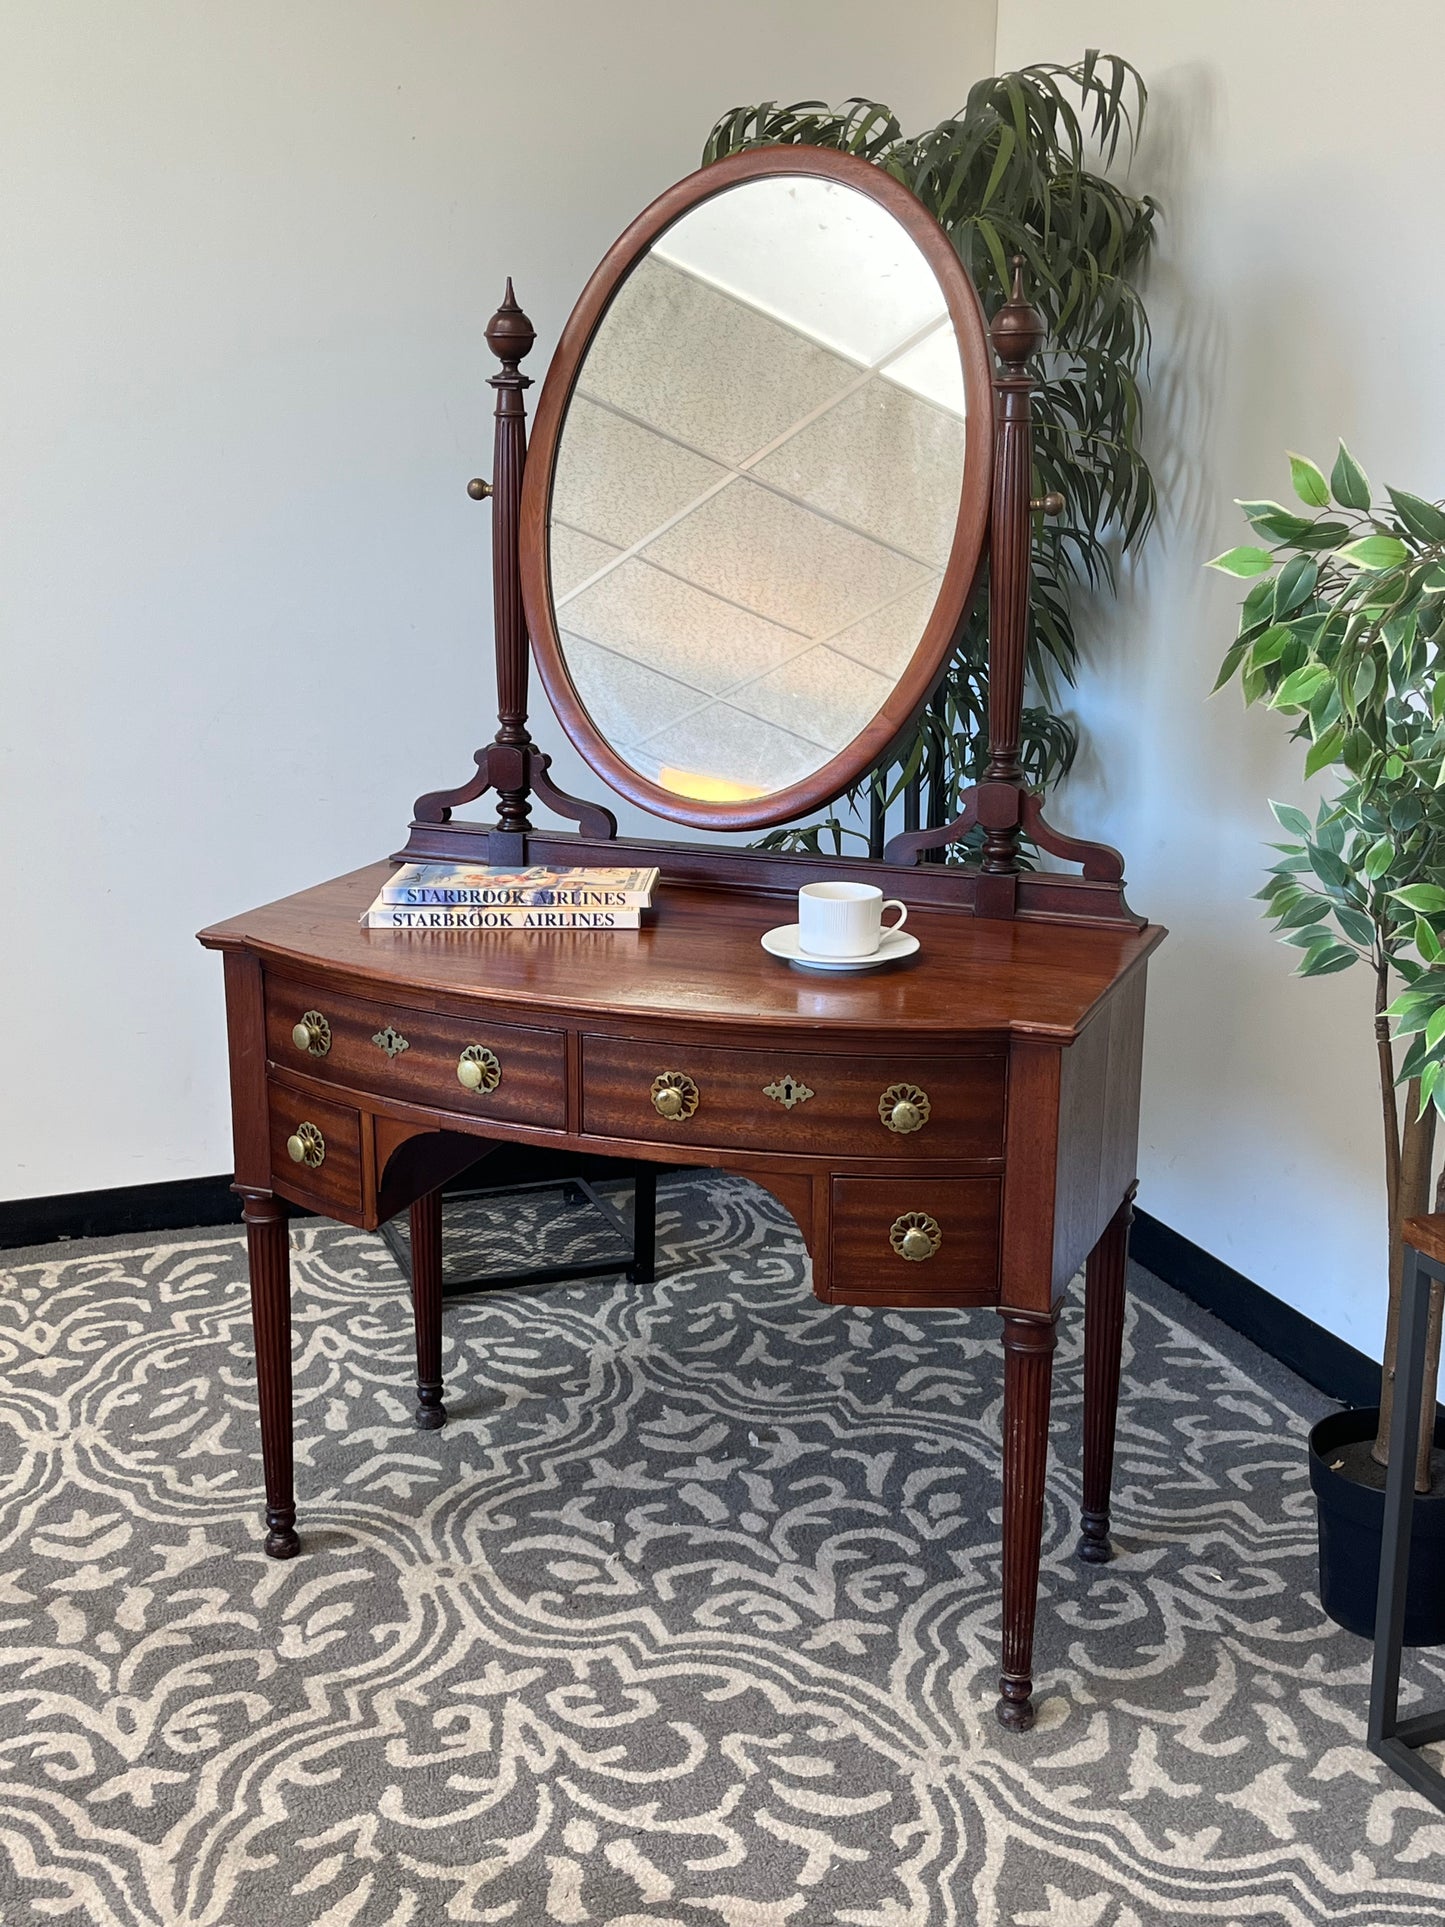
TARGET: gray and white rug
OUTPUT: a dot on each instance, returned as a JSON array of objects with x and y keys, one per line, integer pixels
[{"x": 689, "y": 1615}]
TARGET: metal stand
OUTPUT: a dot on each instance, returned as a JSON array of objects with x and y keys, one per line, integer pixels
[
  {"x": 639, "y": 1236},
  {"x": 1392, "y": 1738}
]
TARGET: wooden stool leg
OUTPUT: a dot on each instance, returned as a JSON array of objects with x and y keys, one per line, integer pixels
[
  {"x": 1103, "y": 1351},
  {"x": 268, "y": 1248},
  {"x": 426, "y": 1304},
  {"x": 1028, "y": 1360}
]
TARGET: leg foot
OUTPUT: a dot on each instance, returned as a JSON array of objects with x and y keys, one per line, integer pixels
[
  {"x": 268, "y": 1251},
  {"x": 1028, "y": 1358},
  {"x": 1103, "y": 1352},
  {"x": 426, "y": 1302},
  {"x": 1015, "y": 1708}
]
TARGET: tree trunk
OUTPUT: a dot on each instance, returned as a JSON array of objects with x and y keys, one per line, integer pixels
[{"x": 1390, "y": 1109}]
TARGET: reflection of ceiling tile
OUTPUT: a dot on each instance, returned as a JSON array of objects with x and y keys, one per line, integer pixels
[
  {"x": 883, "y": 461},
  {"x": 886, "y": 640},
  {"x": 679, "y": 629},
  {"x": 797, "y": 568},
  {"x": 617, "y": 481},
  {"x": 722, "y": 742},
  {"x": 820, "y": 695},
  {"x": 934, "y": 370},
  {"x": 678, "y": 354},
  {"x": 626, "y": 700},
  {"x": 576, "y": 556}
]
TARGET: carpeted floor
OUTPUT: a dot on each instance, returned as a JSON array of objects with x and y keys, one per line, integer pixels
[{"x": 689, "y": 1614}]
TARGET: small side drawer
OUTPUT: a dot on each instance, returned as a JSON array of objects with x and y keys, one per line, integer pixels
[
  {"x": 414, "y": 1055},
  {"x": 829, "y": 1105},
  {"x": 957, "y": 1217},
  {"x": 328, "y": 1173}
]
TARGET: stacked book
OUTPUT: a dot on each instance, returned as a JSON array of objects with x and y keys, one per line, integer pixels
[{"x": 468, "y": 896}]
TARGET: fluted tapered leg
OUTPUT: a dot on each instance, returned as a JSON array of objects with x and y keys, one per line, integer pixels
[
  {"x": 1103, "y": 1351},
  {"x": 426, "y": 1304},
  {"x": 268, "y": 1249},
  {"x": 1028, "y": 1359}
]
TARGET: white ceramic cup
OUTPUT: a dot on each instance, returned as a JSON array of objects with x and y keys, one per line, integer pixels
[{"x": 845, "y": 919}]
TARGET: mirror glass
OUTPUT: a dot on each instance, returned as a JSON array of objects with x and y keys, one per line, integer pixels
[{"x": 756, "y": 487}]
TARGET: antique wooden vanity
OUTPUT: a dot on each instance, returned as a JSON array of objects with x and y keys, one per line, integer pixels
[{"x": 773, "y": 447}]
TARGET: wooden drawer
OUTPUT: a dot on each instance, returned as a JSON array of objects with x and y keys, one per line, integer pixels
[
  {"x": 872, "y": 1217},
  {"x": 742, "y": 1099},
  {"x": 328, "y": 1176},
  {"x": 414, "y": 1056}
]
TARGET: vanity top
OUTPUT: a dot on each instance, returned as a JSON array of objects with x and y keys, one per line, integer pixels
[{"x": 699, "y": 955}]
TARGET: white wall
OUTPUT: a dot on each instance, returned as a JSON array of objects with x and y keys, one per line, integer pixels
[
  {"x": 244, "y": 602},
  {"x": 1297, "y": 298}
]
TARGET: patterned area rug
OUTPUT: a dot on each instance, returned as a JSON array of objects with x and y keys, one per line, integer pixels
[{"x": 689, "y": 1615}]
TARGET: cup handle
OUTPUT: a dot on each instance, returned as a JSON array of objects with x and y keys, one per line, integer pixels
[{"x": 893, "y": 903}]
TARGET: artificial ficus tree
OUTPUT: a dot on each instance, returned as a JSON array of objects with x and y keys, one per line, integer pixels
[{"x": 1343, "y": 633}]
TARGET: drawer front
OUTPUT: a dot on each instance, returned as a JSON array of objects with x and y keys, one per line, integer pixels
[
  {"x": 915, "y": 1241},
  {"x": 316, "y": 1149},
  {"x": 416, "y": 1057},
  {"x": 786, "y": 1100}
]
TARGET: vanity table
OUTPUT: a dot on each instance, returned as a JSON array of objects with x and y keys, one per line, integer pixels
[{"x": 774, "y": 446}]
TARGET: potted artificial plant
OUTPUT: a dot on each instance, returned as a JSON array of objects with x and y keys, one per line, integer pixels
[{"x": 1343, "y": 632}]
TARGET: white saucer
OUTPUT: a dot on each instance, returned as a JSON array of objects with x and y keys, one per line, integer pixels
[{"x": 784, "y": 942}]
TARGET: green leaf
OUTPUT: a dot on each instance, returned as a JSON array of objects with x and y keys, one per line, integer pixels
[
  {"x": 1326, "y": 750},
  {"x": 1374, "y": 552},
  {"x": 1424, "y": 520},
  {"x": 1426, "y": 897},
  {"x": 1309, "y": 482},
  {"x": 1275, "y": 520},
  {"x": 1309, "y": 909},
  {"x": 1291, "y": 819},
  {"x": 1244, "y": 561},
  {"x": 1356, "y": 925},
  {"x": 1378, "y": 858},
  {"x": 1234, "y": 656},
  {"x": 1325, "y": 961},
  {"x": 1427, "y": 943},
  {"x": 1429, "y": 1078},
  {"x": 1328, "y": 867},
  {"x": 1297, "y": 689},
  {"x": 1435, "y": 1029},
  {"x": 1270, "y": 646},
  {"x": 1295, "y": 584},
  {"x": 1394, "y": 768},
  {"x": 1349, "y": 483}
]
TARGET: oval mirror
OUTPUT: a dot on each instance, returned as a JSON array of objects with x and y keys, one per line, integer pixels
[{"x": 757, "y": 490}]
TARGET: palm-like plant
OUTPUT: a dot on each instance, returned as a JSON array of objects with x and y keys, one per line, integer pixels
[{"x": 1016, "y": 172}]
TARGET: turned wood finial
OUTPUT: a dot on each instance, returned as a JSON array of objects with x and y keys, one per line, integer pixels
[
  {"x": 510, "y": 334},
  {"x": 1017, "y": 330}
]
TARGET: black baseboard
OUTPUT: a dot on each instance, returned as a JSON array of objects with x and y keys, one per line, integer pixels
[
  {"x": 175, "y": 1206},
  {"x": 190, "y": 1203},
  {"x": 1321, "y": 1359}
]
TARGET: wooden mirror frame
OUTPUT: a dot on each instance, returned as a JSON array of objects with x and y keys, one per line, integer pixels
[{"x": 955, "y": 593}]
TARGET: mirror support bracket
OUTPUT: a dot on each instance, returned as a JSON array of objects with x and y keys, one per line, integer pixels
[
  {"x": 1001, "y": 804},
  {"x": 511, "y": 765}
]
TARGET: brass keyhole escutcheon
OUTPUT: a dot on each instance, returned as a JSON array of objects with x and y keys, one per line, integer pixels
[
  {"x": 390, "y": 1040},
  {"x": 674, "y": 1096},
  {"x": 915, "y": 1236},
  {"x": 479, "y": 1069},
  {"x": 306, "y": 1146},
  {"x": 312, "y": 1034},
  {"x": 904, "y": 1108}
]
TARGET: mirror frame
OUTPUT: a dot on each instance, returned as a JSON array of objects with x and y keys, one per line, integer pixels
[{"x": 955, "y": 594}]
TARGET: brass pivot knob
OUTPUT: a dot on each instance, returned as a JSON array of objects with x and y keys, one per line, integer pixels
[
  {"x": 674, "y": 1096},
  {"x": 904, "y": 1108},
  {"x": 1050, "y": 504},
  {"x": 306, "y": 1146},
  {"x": 478, "y": 489},
  {"x": 915, "y": 1236},
  {"x": 312, "y": 1034},
  {"x": 479, "y": 1069}
]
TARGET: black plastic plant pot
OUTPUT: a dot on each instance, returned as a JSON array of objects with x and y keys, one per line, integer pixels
[{"x": 1351, "y": 1518}]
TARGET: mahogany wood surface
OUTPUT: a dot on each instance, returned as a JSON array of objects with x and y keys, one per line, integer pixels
[
  {"x": 1028, "y": 1359},
  {"x": 1103, "y": 1346},
  {"x": 698, "y": 957},
  {"x": 839, "y": 1117},
  {"x": 918, "y": 678},
  {"x": 865, "y": 1268},
  {"x": 1427, "y": 1235},
  {"x": 269, "y": 1250}
]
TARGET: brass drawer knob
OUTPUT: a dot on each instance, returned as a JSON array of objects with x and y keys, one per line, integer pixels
[
  {"x": 904, "y": 1108},
  {"x": 674, "y": 1096},
  {"x": 306, "y": 1146},
  {"x": 479, "y": 1069},
  {"x": 915, "y": 1236},
  {"x": 312, "y": 1034}
]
